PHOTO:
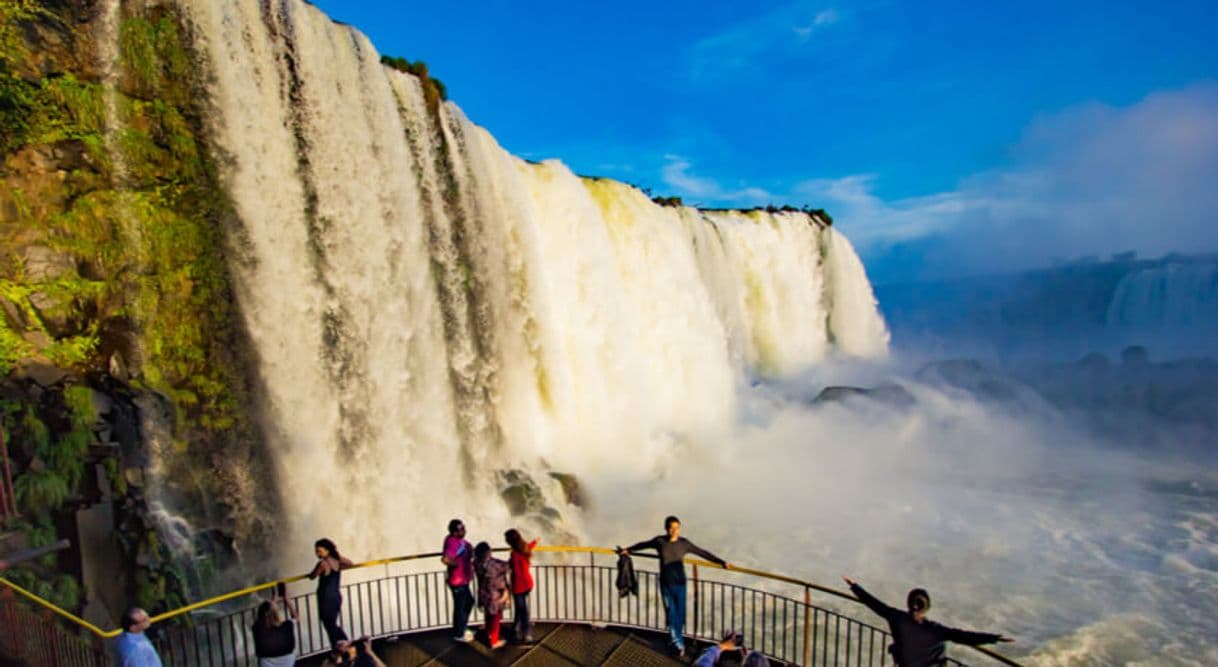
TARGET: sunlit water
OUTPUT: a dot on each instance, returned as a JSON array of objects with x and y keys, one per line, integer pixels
[
  {"x": 1088, "y": 553},
  {"x": 428, "y": 310}
]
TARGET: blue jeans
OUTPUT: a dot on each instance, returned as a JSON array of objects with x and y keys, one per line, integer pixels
[
  {"x": 673, "y": 596},
  {"x": 463, "y": 604},
  {"x": 520, "y": 610}
]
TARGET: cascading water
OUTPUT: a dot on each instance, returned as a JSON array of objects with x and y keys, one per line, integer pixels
[
  {"x": 1174, "y": 295},
  {"x": 429, "y": 311}
]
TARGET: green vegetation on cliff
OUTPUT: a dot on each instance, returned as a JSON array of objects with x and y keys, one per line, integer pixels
[
  {"x": 135, "y": 210},
  {"x": 112, "y": 262}
]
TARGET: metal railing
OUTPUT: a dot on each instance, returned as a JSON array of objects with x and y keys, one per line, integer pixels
[
  {"x": 34, "y": 635},
  {"x": 410, "y": 595}
]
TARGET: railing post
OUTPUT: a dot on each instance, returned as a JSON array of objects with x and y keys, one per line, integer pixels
[
  {"x": 807, "y": 626},
  {"x": 99, "y": 652},
  {"x": 51, "y": 639},
  {"x": 696, "y": 614},
  {"x": 594, "y": 580}
]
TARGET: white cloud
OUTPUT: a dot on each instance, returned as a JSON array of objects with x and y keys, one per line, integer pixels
[
  {"x": 707, "y": 191},
  {"x": 789, "y": 26},
  {"x": 1091, "y": 180},
  {"x": 826, "y": 17}
]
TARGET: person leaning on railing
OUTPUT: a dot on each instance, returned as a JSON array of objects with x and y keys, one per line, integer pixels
[
  {"x": 274, "y": 635},
  {"x": 917, "y": 641},
  {"x": 522, "y": 583},
  {"x": 673, "y": 549},
  {"x": 494, "y": 593},
  {"x": 457, "y": 556},
  {"x": 329, "y": 587}
]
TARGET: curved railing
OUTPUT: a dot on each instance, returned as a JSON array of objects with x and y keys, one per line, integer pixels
[{"x": 408, "y": 597}]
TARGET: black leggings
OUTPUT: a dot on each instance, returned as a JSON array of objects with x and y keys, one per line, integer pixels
[{"x": 327, "y": 611}]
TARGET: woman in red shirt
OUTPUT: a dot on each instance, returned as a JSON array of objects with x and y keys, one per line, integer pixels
[{"x": 522, "y": 583}]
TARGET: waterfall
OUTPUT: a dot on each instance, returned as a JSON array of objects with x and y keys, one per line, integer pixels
[
  {"x": 429, "y": 311},
  {"x": 1176, "y": 294}
]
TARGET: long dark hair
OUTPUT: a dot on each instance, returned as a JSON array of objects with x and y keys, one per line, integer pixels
[
  {"x": 265, "y": 614},
  {"x": 515, "y": 541},
  {"x": 328, "y": 545}
]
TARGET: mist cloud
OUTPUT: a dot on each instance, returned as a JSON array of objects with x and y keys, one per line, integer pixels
[{"x": 1091, "y": 180}]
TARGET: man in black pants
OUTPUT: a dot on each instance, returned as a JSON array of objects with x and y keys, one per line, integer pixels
[
  {"x": 918, "y": 642},
  {"x": 672, "y": 548}
]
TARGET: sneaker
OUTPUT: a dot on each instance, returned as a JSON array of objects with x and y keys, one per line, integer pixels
[
  {"x": 499, "y": 644},
  {"x": 528, "y": 639},
  {"x": 465, "y": 638}
]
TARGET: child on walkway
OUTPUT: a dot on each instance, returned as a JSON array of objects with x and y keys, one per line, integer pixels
[
  {"x": 492, "y": 590},
  {"x": 522, "y": 583}
]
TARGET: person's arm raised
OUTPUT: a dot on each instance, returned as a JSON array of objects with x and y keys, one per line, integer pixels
[{"x": 873, "y": 603}]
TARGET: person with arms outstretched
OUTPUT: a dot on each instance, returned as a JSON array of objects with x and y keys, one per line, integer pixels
[
  {"x": 916, "y": 640},
  {"x": 672, "y": 549}
]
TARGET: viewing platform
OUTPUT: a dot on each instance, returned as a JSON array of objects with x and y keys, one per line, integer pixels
[
  {"x": 557, "y": 644},
  {"x": 579, "y": 616}
]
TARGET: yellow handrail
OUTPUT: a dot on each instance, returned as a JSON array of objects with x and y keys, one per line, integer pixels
[
  {"x": 105, "y": 634},
  {"x": 66, "y": 614}
]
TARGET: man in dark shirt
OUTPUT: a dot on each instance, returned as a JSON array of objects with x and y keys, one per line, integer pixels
[
  {"x": 918, "y": 642},
  {"x": 672, "y": 549}
]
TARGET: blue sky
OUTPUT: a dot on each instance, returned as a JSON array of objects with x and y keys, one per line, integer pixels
[{"x": 946, "y": 138}]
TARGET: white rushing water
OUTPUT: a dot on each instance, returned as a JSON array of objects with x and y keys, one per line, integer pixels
[
  {"x": 429, "y": 311},
  {"x": 1172, "y": 296}
]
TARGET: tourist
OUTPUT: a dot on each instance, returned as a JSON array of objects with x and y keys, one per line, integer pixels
[
  {"x": 329, "y": 596},
  {"x": 522, "y": 583},
  {"x": 134, "y": 649},
  {"x": 353, "y": 654},
  {"x": 916, "y": 641},
  {"x": 731, "y": 641},
  {"x": 672, "y": 549},
  {"x": 457, "y": 554},
  {"x": 274, "y": 635},
  {"x": 493, "y": 590},
  {"x": 755, "y": 659}
]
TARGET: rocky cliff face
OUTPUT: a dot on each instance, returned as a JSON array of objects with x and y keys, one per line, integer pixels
[{"x": 114, "y": 287}]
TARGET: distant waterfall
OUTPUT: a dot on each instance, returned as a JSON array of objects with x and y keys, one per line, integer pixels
[
  {"x": 1176, "y": 294},
  {"x": 429, "y": 310}
]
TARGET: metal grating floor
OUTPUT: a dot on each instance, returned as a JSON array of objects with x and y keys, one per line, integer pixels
[{"x": 557, "y": 645}]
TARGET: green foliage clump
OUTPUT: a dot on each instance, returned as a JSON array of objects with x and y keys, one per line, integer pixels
[
  {"x": 56, "y": 458},
  {"x": 14, "y": 13},
  {"x": 41, "y": 491},
  {"x": 668, "y": 201},
  {"x": 154, "y": 58},
  {"x": 13, "y": 348},
  {"x": 432, "y": 87},
  {"x": 17, "y": 99},
  {"x": 61, "y": 590}
]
